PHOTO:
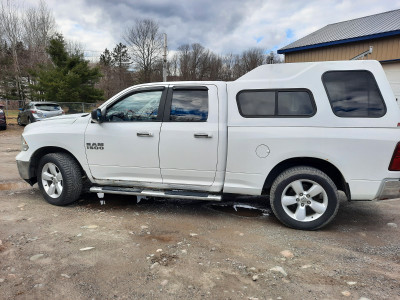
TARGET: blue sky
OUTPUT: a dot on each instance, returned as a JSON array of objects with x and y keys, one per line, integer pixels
[{"x": 224, "y": 26}]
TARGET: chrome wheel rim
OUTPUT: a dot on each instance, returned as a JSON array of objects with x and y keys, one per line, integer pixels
[
  {"x": 304, "y": 200},
  {"x": 52, "y": 180}
]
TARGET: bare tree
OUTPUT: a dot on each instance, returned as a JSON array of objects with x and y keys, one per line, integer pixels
[
  {"x": 39, "y": 27},
  {"x": 146, "y": 44},
  {"x": 251, "y": 59},
  {"x": 10, "y": 24},
  {"x": 194, "y": 62}
]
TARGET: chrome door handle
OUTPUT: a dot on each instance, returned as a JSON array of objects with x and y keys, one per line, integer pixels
[
  {"x": 202, "y": 135},
  {"x": 144, "y": 134}
]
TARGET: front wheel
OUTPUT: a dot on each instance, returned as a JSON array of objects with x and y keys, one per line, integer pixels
[
  {"x": 59, "y": 178},
  {"x": 19, "y": 121},
  {"x": 304, "y": 198}
]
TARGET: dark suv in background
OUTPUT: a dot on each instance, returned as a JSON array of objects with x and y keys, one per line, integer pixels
[
  {"x": 3, "y": 121},
  {"x": 36, "y": 111}
]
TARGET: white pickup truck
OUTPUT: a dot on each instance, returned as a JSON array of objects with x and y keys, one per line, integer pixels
[{"x": 298, "y": 133}]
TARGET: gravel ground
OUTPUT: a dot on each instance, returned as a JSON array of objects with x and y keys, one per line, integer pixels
[{"x": 169, "y": 249}]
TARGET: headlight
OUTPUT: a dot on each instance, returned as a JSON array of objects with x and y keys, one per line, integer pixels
[{"x": 24, "y": 144}]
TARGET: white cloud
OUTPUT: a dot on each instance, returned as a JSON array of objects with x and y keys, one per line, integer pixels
[{"x": 222, "y": 26}]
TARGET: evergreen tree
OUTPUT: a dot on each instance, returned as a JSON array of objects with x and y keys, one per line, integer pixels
[
  {"x": 106, "y": 59},
  {"x": 120, "y": 56},
  {"x": 68, "y": 79}
]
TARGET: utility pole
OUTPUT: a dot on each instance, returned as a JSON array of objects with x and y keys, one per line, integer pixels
[{"x": 165, "y": 59}]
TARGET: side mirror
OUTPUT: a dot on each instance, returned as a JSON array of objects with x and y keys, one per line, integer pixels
[
  {"x": 97, "y": 117},
  {"x": 21, "y": 109}
]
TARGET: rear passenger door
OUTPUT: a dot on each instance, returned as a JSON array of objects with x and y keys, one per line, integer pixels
[{"x": 189, "y": 136}]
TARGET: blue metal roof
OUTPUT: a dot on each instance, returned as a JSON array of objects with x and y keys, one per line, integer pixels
[{"x": 365, "y": 28}]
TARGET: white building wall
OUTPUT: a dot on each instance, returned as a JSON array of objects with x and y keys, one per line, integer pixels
[{"x": 392, "y": 71}]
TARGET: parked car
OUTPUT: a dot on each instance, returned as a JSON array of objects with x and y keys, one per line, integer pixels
[
  {"x": 37, "y": 111},
  {"x": 294, "y": 133},
  {"x": 3, "y": 121}
]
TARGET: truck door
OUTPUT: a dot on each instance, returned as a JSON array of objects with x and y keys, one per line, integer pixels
[
  {"x": 125, "y": 145},
  {"x": 189, "y": 136}
]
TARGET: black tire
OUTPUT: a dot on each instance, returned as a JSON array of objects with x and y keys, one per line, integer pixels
[
  {"x": 304, "y": 178},
  {"x": 29, "y": 120},
  {"x": 19, "y": 121},
  {"x": 71, "y": 179}
]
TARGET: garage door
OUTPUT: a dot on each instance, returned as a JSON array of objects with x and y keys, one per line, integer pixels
[{"x": 392, "y": 71}]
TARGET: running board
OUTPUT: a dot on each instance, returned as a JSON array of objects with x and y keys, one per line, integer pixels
[{"x": 177, "y": 194}]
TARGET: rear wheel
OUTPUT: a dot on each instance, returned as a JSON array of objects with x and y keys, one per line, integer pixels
[
  {"x": 59, "y": 178},
  {"x": 304, "y": 198}
]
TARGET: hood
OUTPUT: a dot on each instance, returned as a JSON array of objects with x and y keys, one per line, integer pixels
[
  {"x": 54, "y": 121},
  {"x": 66, "y": 118}
]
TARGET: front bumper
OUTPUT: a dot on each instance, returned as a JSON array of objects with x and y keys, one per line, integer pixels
[
  {"x": 389, "y": 189},
  {"x": 24, "y": 171}
]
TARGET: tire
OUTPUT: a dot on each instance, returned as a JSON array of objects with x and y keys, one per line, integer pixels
[
  {"x": 29, "y": 120},
  {"x": 19, "y": 120},
  {"x": 304, "y": 198},
  {"x": 59, "y": 178}
]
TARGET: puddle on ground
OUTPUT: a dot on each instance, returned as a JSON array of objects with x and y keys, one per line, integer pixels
[
  {"x": 9, "y": 186},
  {"x": 242, "y": 210}
]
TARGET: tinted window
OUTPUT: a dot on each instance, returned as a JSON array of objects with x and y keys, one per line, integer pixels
[
  {"x": 142, "y": 106},
  {"x": 275, "y": 103},
  {"x": 189, "y": 106},
  {"x": 48, "y": 107},
  {"x": 354, "y": 94},
  {"x": 257, "y": 103},
  {"x": 296, "y": 103}
]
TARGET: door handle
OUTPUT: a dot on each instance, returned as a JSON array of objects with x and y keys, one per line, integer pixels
[
  {"x": 202, "y": 136},
  {"x": 144, "y": 134}
]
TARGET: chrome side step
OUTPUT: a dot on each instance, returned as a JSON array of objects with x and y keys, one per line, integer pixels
[{"x": 178, "y": 194}]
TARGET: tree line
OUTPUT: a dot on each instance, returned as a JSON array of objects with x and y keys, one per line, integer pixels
[{"x": 37, "y": 63}]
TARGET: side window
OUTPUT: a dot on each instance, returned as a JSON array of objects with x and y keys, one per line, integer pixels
[
  {"x": 354, "y": 94},
  {"x": 256, "y": 103},
  {"x": 296, "y": 103},
  {"x": 189, "y": 105},
  {"x": 275, "y": 103},
  {"x": 138, "y": 107}
]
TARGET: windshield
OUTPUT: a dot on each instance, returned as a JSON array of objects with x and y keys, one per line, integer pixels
[{"x": 48, "y": 107}]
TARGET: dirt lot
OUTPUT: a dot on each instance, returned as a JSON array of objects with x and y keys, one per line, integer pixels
[{"x": 167, "y": 249}]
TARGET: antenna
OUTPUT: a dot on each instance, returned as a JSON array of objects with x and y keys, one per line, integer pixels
[{"x": 165, "y": 59}]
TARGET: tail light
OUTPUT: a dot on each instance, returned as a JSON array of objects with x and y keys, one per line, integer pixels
[
  {"x": 33, "y": 111},
  {"x": 395, "y": 162}
]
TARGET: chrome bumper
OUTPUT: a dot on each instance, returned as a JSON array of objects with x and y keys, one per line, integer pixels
[
  {"x": 389, "y": 189},
  {"x": 23, "y": 169}
]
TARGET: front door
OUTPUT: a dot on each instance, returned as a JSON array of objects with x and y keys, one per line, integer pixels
[
  {"x": 189, "y": 136},
  {"x": 125, "y": 145}
]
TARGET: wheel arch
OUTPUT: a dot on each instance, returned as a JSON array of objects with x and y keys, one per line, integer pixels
[
  {"x": 39, "y": 153},
  {"x": 325, "y": 166}
]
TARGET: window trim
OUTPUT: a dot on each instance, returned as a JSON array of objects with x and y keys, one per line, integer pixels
[
  {"x": 142, "y": 90},
  {"x": 276, "y": 91},
  {"x": 376, "y": 85},
  {"x": 168, "y": 102}
]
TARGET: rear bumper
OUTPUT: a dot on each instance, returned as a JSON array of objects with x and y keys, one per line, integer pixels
[{"x": 389, "y": 189}]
